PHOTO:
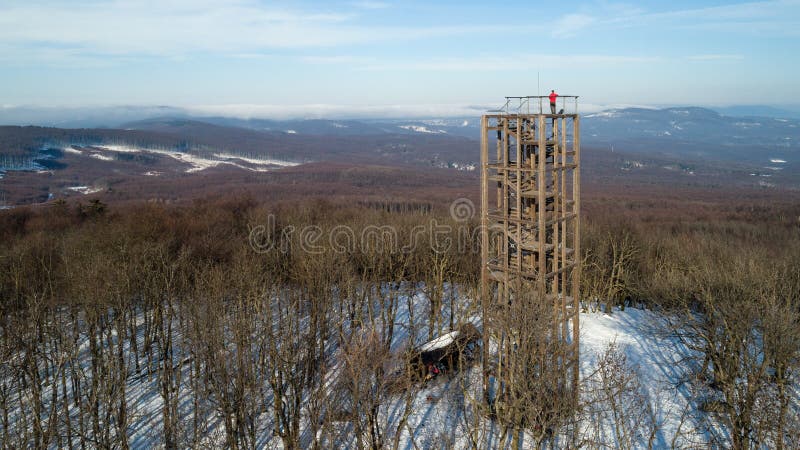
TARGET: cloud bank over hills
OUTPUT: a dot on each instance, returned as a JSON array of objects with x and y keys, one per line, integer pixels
[
  {"x": 116, "y": 115},
  {"x": 111, "y": 116}
]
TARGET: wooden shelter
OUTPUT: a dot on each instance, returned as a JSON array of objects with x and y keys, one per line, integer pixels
[{"x": 446, "y": 352}]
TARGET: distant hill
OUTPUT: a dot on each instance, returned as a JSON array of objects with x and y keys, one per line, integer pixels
[
  {"x": 686, "y": 132},
  {"x": 178, "y": 157},
  {"x": 84, "y": 117},
  {"x": 459, "y": 126},
  {"x": 697, "y": 132},
  {"x": 759, "y": 111},
  {"x": 689, "y": 131}
]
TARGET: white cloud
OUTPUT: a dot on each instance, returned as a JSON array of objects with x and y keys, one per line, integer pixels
[
  {"x": 339, "y": 111},
  {"x": 715, "y": 57},
  {"x": 335, "y": 59},
  {"x": 371, "y": 5},
  {"x": 333, "y": 111},
  {"x": 109, "y": 115},
  {"x": 770, "y": 18},
  {"x": 32, "y": 32},
  {"x": 571, "y": 24},
  {"x": 520, "y": 62}
]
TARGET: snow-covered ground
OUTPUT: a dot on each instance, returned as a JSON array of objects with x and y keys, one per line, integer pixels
[
  {"x": 605, "y": 114},
  {"x": 256, "y": 161},
  {"x": 656, "y": 358},
  {"x": 85, "y": 190},
  {"x": 195, "y": 162},
  {"x": 442, "y": 413},
  {"x": 101, "y": 157},
  {"x": 421, "y": 129}
]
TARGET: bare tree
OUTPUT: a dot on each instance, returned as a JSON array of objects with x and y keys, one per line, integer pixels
[
  {"x": 615, "y": 409},
  {"x": 744, "y": 325},
  {"x": 530, "y": 390}
]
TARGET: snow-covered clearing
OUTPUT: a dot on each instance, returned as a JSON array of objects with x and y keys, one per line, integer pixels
[
  {"x": 257, "y": 161},
  {"x": 605, "y": 114},
  {"x": 442, "y": 413},
  {"x": 85, "y": 190},
  {"x": 196, "y": 163},
  {"x": 657, "y": 358},
  {"x": 421, "y": 129}
]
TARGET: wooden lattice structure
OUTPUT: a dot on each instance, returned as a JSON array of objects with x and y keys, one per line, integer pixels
[{"x": 530, "y": 204}]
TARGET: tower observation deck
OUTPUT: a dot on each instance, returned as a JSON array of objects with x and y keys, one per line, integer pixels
[{"x": 531, "y": 263}]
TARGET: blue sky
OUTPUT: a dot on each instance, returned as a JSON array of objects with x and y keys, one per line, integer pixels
[{"x": 255, "y": 57}]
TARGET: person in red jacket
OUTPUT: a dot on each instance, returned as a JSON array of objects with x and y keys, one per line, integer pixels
[{"x": 553, "y": 97}]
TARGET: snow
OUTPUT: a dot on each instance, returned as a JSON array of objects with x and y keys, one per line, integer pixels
[
  {"x": 463, "y": 166},
  {"x": 101, "y": 157},
  {"x": 440, "y": 409},
  {"x": 85, "y": 190},
  {"x": 777, "y": 161},
  {"x": 122, "y": 148},
  {"x": 72, "y": 150},
  {"x": 198, "y": 163},
  {"x": 421, "y": 129},
  {"x": 258, "y": 161},
  {"x": 465, "y": 123},
  {"x": 605, "y": 114},
  {"x": 657, "y": 357},
  {"x": 291, "y": 132},
  {"x": 441, "y": 341}
]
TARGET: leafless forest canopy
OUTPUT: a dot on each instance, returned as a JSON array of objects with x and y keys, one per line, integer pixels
[{"x": 176, "y": 298}]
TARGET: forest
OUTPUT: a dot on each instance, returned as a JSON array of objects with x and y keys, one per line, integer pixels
[{"x": 232, "y": 322}]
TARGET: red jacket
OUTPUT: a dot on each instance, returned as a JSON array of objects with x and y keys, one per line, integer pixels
[{"x": 553, "y": 97}]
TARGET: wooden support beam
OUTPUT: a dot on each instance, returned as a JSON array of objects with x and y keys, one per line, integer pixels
[{"x": 531, "y": 227}]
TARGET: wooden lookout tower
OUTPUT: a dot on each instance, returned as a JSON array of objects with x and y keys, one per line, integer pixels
[{"x": 530, "y": 217}]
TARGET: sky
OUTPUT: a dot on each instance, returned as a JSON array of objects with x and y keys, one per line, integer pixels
[{"x": 257, "y": 58}]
